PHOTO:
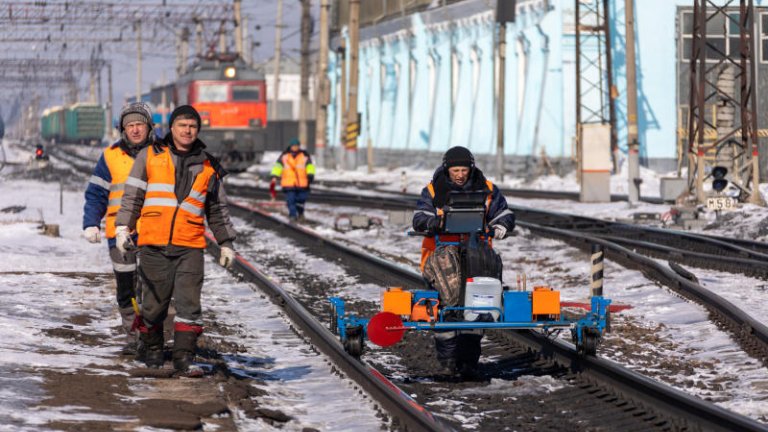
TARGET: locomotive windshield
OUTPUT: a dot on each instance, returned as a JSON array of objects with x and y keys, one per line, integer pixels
[
  {"x": 245, "y": 93},
  {"x": 207, "y": 92},
  {"x": 212, "y": 92}
]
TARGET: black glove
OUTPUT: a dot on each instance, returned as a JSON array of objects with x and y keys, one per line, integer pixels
[
  {"x": 435, "y": 224},
  {"x": 311, "y": 178}
]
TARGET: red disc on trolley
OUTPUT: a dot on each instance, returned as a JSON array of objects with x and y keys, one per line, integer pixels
[{"x": 385, "y": 329}]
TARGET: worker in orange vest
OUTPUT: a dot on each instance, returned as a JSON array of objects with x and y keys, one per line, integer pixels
[
  {"x": 176, "y": 187},
  {"x": 296, "y": 172},
  {"x": 103, "y": 197}
]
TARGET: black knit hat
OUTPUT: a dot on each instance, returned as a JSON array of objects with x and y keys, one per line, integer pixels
[
  {"x": 186, "y": 111},
  {"x": 458, "y": 156}
]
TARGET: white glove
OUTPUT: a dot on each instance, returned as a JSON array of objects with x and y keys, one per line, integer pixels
[
  {"x": 227, "y": 257},
  {"x": 499, "y": 231},
  {"x": 123, "y": 239},
  {"x": 92, "y": 234}
]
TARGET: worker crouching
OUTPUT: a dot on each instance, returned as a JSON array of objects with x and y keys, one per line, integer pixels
[{"x": 174, "y": 186}]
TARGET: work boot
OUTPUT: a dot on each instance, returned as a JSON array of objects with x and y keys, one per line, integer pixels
[
  {"x": 184, "y": 345},
  {"x": 152, "y": 342},
  {"x": 447, "y": 368},
  {"x": 128, "y": 316},
  {"x": 445, "y": 349}
]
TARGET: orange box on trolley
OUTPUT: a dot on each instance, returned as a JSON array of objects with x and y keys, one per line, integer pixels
[
  {"x": 546, "y": 301},
  {"x": 397, "y": 301}
]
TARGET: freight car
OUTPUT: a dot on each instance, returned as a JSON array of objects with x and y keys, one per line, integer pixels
[{"x": 81, "y": 123}]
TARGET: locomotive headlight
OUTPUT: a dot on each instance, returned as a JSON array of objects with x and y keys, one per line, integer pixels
[{"x": 230, "y": 72}]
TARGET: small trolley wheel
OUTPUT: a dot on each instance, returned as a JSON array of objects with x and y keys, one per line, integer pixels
[
  {"x": 353, "y": 344},
  {"x": 589, "y": 347},
  {"x": 334, "y": 318}
]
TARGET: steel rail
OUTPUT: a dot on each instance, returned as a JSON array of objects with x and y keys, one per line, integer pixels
[
  {"x": 712, "y": 245},
  {"x": 629, "y": 384},
  {"x": 747, "y": 266},
  {"x": 409, "y": 414},
  {"x": 751, "y": 334}
]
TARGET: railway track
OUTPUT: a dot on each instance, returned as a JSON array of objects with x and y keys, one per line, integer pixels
[
  {"x": 697, "y": 250},
  {"x": 659, "y": 406}
]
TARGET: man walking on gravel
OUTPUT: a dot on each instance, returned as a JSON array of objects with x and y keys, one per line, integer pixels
[
  {"x": 296, "y": 171},
  {"x": 175, "y": 186},
  {"x": 103, "y": 196}
]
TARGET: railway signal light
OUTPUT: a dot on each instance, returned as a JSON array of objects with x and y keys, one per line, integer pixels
[{"x": 719, "y": 183}]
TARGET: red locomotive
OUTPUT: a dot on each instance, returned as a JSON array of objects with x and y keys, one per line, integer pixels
[{"x": 232, "y": 101}]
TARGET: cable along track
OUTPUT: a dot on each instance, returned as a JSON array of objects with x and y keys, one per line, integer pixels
[{"x": 656, "y": 404}]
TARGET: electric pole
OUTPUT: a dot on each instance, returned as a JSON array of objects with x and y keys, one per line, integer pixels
[
  {"x": 321, "y": 98},
  {"x": 306, "y": 24},
  {"x": 342, "y": 54},
  {"x": 276, "y": 70},
  {"x": 353, "y": 125},
  {"x": 199, "y": 38},
  {"x": 500, "y": 103},
  {"x": 238, "y": 29},
  {"x": 137, "y": 28},
  {"x": 110, "y": 132},
  {"x": 632, "y": 135}
]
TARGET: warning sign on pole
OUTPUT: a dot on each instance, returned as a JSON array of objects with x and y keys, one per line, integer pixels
[{"x": 353, "y": 131}]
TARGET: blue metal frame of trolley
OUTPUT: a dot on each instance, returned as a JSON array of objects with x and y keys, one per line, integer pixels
[{"x": 594, "y": 323}]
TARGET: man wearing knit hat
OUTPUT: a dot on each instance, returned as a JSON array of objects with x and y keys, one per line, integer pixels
[
  {"x": 103, "y": 197},
  {"x": 458, "y": 351},
  {"x": 176, "y": 187}
]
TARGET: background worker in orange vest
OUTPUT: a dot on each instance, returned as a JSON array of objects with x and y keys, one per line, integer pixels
[
  {"x": 103, "y": 196},
  {"x": 296, "y": 172},
  {"x": 175, "y": 186},
  {"x": 458, "y": 351}
]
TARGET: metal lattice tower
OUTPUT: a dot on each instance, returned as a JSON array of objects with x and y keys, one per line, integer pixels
[
  {"x": 594, "y": 77},
  {"x": 722, "y": 125}
]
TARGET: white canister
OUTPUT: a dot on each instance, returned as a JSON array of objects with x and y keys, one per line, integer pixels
[{"x": 482, "y": 292}]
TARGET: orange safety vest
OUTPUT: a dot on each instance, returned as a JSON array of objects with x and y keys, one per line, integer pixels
[
  {"x": 165, "y": 220},
  {"x": 294, "y": 171},
  {"x": 428, "y": 245},
  {"x": 119, "y": 164}
]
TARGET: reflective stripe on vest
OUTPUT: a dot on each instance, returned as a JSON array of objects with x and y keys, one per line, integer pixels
[
  {"x": 294, "y": 170},
  {"x": 428, "y": 244},
  {"x": 165, "y": 220},
  {"x": 119, "y": 164}
]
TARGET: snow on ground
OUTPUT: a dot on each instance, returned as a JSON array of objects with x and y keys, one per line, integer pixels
[
  {"x": 698, "y": 357},
  {"x": 677, "y": 330},
  {"x": 44, "y": 281}
]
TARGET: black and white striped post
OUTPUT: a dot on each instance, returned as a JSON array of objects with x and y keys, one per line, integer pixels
[
  {"x": 597, "y": 279},
  {"x": 597, "y": 270}
]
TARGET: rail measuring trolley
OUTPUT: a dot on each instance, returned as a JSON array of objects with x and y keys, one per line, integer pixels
[{"x": 495, "y": 307}]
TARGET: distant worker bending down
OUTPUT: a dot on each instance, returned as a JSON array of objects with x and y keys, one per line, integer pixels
[
  {"x": 446, "y": 266},
  {"x": 296, "y": 172},
  {"x": 103, "y": 196},
  {"x": 175, "y": 186}
]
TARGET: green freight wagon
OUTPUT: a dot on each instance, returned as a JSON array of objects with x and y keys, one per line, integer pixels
[
  {"x": 84, "y": 123},
  {"x": 52, "y": 124}
]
